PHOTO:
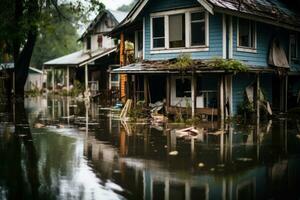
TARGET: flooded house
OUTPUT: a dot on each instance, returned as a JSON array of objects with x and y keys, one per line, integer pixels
[
  {"x": 91, "y": 64},
  {"x": 35, "y": 80},
  {"x": 212, "y": 57}
]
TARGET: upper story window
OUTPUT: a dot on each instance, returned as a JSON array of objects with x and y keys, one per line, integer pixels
[
  {"x": 158, "y": 32},
  {"x": 88, "y": 43},
  {"x": 100, "y": 41},
  {"x": 184, "y": 30},
  {"x": 246, "y": 30},
  {"x": 294, "y": 47},
  {"x": 197, "y": 29},
  {"x": 177, "y": 31}
]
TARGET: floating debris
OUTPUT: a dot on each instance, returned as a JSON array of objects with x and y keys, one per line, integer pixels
[
  {"x": 173, "y": 153},
  {"x": 39, "y": 125},
  {"x": 201, "y": 165}
]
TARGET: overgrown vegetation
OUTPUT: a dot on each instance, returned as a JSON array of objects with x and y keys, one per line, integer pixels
[
  {"x": 139, "y": 111},
  {"x": 35, "y": 92},
  {"x": 227, "y": 65},
  {"x": 183, "y": 62}
]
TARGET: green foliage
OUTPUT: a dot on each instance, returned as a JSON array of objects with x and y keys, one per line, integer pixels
[
  {"x": 139, "y": 111},
  {"x": 183, "y": 62},
  {"x": 127, "y": 8},
  {"x": 33, "y": 93},
  {"x": 57, "y": 37},
  {"x": 227, "y": 65},
  {"x": 77, "y": 89}
]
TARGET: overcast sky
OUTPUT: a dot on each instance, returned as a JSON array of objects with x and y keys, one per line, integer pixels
[{"x": 114, "y": 4}]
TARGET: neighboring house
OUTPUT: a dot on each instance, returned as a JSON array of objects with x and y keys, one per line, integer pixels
[
  {"x": 262, "y": 34},
  {"x": 91, "y": 64},
  {"x": 35, "y": 80}
]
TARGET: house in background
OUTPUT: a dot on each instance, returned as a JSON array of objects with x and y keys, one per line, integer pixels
[
  {"x": 35, "y": 80},
  {"x": 91, "y": 64},
  {"x": 262, "y": 35}
]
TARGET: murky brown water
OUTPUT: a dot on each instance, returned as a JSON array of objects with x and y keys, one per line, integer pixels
[{"x": 90, "y": 154}]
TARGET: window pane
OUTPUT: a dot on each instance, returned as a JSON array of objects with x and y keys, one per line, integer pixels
[
  {"x": 159, "y": 42},
  {"x": 183, "y": 87},
  {"x": 198, "y": 33},
  {"x": 140, "y": 40},
  {"x": 197, "y": 16},
  {"x": 293, "y": 47},
  {"x": 158, "y": 27},
  {"x": 177, "y": 30},
  {"x": 244, "y": 31}
]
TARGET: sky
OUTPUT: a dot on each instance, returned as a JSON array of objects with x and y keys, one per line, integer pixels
[{"x": 114, "y": 4}]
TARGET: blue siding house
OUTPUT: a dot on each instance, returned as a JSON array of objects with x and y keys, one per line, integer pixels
[{"x": 262, "y": 35}]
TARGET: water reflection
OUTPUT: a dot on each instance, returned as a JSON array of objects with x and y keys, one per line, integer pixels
[{"x": 85, "y": 152}]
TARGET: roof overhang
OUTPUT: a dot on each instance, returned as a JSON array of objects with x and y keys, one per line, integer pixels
[{"x": 79, "y": 58}]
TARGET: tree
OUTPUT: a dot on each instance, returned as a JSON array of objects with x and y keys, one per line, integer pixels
[
  {"x": 20, "y": 25},
  {"x": 57, "y": 37},
  {"x": 127, "y": 7}
]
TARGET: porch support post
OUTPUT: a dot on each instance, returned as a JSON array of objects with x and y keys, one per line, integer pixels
[
  {"x": 86, "y": 77},
  {"x": 193, "y": 94},
  {"x": 221, "y": 96},
  {"x": 168, "y": 89},
  {"x": 68, "y": 78},
  {"x": 146, "y": 92},
  {"x": 257, "y": 100},
  {"x": 53, "y": 84},
  {"x": 286, "y": 81}
]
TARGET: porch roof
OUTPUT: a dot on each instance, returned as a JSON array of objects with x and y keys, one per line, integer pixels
[
  {"x": 79, "y": 58},
  {"x": 167, "y": 67}
]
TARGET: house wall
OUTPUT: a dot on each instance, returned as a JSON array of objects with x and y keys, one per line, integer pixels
[
  {"x": 34, "y": 80},
  {"x": 106, "y": 25}
]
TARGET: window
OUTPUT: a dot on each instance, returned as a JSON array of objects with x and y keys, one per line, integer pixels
[
  {"x": 246, "y": 33},
  {"x": 88, "y": 43},
  {"x": 100, "y": 41},
  {"x": 294, "y": 44},
  {"x": 180, "y": 31},
  {"x": 177, "y": 31},
  {"x": 197, "y": 29},
  {"x": 158, "y": 34},
  {"x": 183, "y": 87}
]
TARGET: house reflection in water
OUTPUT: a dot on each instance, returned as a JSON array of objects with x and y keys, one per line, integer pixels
[{"x": 254, "y": 162}]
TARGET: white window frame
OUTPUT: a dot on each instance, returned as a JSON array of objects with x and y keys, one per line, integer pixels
[
  {"x": 242, "y": 48},
  {"x": 188, "y": 47}
]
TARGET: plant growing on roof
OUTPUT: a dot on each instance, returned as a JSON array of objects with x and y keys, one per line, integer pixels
[
  {"x": 183, "y": 62},
  {"x": 230, "y": 65}
]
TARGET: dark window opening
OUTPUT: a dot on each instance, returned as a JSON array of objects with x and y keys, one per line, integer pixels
[
  {"x": 100, "y": 41},
  {"x": 140, "y": 40},
  {"x": 198, "y": 29},
  {"x": 158, "y": 28},
  {"x": 88, "y": 43},
  {"x": 246, "y": 35},
  {"x": 183, "y": 87},
  {"x": 294, "y": 41},
  {"x": 177, "y": 31}
]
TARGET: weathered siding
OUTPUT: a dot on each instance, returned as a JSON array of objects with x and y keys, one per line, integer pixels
[
  {"x": 215, "y": 30},
  {"x": 265, "y": 35},
  {"x": 215, "y": 42}
]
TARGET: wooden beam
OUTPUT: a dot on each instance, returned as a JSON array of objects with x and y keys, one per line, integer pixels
[
  {"x": 221, "y": 96},
  {"x": 68, "y": 78},
  {"x": 194, "y": 88},
  {"x": 53, "y": 84},
  {"x": 146, "y": 92},
  {"x": 286, "y": 93},
  {"x": 86, "y": 77},
  {"x": 168, "y": 91},
  {"x": 257, "y": 96}
]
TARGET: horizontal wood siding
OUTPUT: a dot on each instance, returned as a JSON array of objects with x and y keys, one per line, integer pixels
[
  {"x": 265, "y": 35},
  {"x": 215, "y": 32},
  {"x": 239, "y": 84}
]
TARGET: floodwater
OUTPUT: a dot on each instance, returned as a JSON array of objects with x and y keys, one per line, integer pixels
[{"x": 63, "y": 149}]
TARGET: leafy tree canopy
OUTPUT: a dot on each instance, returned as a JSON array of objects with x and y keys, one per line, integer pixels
[{"x": 127, "y": 7}]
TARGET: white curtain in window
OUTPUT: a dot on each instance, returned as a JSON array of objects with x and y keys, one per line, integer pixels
[{"x": 175, "y": 28}]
